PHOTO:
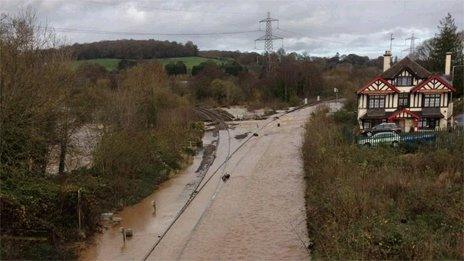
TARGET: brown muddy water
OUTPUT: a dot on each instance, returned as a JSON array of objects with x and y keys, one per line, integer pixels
[
  {"x": 258, "y": 214},
  {"x": 146, "y": 224}
]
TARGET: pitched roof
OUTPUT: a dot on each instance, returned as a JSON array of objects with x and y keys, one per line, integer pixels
[
  {"x": 376, "y": 82},
  {"x": 403, "y": 113},
  {"x": 375, "y": 114},
  {"x": 406, "y": 62},
  {"x": 436, "y": 81}
]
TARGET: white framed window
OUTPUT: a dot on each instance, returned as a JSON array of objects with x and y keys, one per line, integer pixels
[
  {"x": 404, "y": 81},
  {"x": 403, "y": 100},
  {"x": 431, "y": 100},
  {"x": 376, "y": 101},
  {"x": 427, "y": 123}
]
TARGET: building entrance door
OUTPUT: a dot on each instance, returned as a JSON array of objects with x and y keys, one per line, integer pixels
[{"x": 402, "y": 124}]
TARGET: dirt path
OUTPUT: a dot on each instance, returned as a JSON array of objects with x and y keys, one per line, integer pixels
[{"x": 258, "y": 213}]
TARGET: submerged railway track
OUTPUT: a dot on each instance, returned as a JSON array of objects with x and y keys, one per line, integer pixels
[{"x": 219, "y": 124}]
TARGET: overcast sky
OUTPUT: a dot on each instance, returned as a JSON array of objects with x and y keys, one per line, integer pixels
[{"x": 321, "y": 28}]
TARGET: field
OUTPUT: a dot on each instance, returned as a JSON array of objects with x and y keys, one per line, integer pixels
[
  {"x": 189, "y": 61},
  {"x": 109, "y": 64},
  {"x": 383, "y": 202},
  {"x": 112, "y": 64}
]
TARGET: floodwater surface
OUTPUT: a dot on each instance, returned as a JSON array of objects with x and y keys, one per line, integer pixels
[
  {"x": 146, "y": 224},
  {"x": 257, "y": 214}
]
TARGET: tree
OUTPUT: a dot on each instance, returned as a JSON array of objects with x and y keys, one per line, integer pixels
[
  {"x": 181, "y": 68},
  {"x": 133, "y": 49},
  {"x": 332, "y": 62},
  {"x": 232, "y": 68},
  {"x": 448, "y": 40},
  {"x": 176, "y": 68},
  {"x": 38, "y": 106},
  {"x": 226, "y": 92},
  {"x": 355, "y": 59},
  {"x": 125, "y": 64},
  {"x": 170, "y": 68},
  {"x": 198, "y": 68}
]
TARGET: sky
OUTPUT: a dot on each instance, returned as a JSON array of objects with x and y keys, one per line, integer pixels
[{"x": 319, "y": 28}]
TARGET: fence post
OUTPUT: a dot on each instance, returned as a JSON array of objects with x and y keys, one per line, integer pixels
[{"x": 79, "y": 209}]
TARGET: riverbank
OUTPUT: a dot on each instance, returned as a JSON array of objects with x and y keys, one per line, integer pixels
[{"x": 383, "y": 202}]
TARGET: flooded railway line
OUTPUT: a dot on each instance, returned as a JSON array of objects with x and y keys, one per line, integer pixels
[{"x": 258, "y": 213}]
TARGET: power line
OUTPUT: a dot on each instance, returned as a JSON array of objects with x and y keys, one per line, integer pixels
[
  {"x": 320, "y": 39},
  {"x": 115, "y": 4},
  {"x": 95, "y": 31}
]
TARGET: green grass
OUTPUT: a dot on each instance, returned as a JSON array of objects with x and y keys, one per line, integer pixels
[
  {"x": 189, "y": 61},
  {"x": 112, "y": 64},
  {"x": 108, "y": 63}
]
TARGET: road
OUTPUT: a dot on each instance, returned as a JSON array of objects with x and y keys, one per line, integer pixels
[{"x": 259, "y": 213}]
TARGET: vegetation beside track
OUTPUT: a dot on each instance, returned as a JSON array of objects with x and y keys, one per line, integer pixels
[
  {"x": 147, "y": 131},
  {"x": 382, "y": 202}
]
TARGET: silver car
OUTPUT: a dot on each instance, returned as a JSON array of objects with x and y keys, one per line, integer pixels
[
  {"x": 383, "y": 127},
  {"x": 390, "y": 138}
]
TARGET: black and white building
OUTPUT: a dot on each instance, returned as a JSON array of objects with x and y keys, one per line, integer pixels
[{"x": 407, "y": 94}]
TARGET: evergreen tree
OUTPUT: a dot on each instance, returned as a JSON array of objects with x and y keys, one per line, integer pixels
[
  {"x": 448, "y": 40},
  {"x": 432, "y": 53}
]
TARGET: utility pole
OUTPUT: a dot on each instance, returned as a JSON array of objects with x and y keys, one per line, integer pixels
[{"x": 269, "y": 36}]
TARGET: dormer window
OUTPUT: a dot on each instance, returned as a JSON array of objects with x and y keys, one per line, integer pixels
[{"x": 404, "y": 80}]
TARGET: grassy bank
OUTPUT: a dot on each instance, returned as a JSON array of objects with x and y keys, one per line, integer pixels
[{"x": 382, "y": 203}]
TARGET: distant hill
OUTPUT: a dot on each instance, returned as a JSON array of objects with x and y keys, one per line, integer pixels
[{"x": 133, "y": 49}]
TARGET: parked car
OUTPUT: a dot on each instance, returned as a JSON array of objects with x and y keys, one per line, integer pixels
[
  {"x": 419, "y": 137},
  {"x": 383, "y": 127},
  {"x": 390, "y": 138}
]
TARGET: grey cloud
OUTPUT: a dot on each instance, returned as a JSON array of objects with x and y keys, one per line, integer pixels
[{"x": 317, "y": 27}]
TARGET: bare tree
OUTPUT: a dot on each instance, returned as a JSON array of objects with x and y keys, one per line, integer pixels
[{"x": 35, "y": 77}]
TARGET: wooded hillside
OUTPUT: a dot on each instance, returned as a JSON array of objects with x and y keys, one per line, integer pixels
[{"x": 133, "y": 49}]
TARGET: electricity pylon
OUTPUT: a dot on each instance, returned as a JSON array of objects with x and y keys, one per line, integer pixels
[{"x": 269, "y": 36}]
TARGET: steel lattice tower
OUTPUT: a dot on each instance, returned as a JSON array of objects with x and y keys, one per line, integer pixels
[{"x": 269, "y": 37}]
